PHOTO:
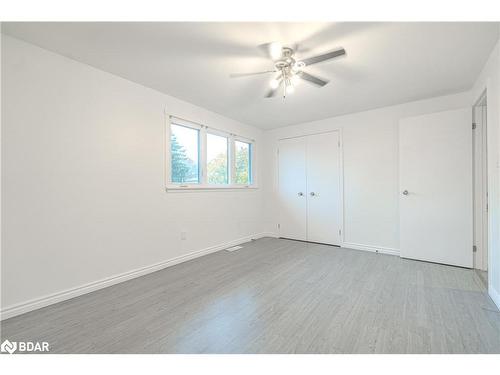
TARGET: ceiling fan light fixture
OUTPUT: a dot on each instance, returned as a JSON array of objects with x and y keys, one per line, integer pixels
[
  {"x": 298, "y": 66},
  {"x": 288, "y": 70}
]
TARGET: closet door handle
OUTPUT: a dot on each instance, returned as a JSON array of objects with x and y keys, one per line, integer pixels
[
  {"x": 312, "y": 193},
  {"x": 300, "y": 194}
]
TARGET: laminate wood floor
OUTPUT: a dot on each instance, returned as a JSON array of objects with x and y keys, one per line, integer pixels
[{"x": 276, "y": 296}]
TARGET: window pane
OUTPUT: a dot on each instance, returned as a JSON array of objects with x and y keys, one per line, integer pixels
[
  {"x": 243, "y": 163},
  {"x": 184, "y": 152},
  {"x": 217, "y": 166}
]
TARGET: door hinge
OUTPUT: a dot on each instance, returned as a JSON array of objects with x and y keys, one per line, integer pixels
[
  {"x": 474, "y": 248},
  {"x": 338, "y": 143},
  {"x": 340, "y": 232},
  {"x": 473, "y": 125}
]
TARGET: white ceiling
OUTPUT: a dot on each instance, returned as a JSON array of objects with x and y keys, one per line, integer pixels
[{"x": 386, "y": 63}]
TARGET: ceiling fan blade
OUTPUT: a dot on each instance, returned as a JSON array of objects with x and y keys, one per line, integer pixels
[
  {"x": 238, "y": 75},
  {"x": 326, "y": 56},
  {"x": 265, "y": 49},
  {"x": 272, "y": 92},
  {"x": 271, "y": 50},
  {"x": 313, "y": 79}
]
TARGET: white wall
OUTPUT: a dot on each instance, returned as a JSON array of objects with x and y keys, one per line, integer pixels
[
  {"x": 489, "y": 80},
  {"x": 371, "y": 182},
  {"x": 83, "y": 185}
]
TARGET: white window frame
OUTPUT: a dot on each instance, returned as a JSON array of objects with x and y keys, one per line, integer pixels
[
  {"x": 229, "y": 156},
  {"x": 194, "y": 126},
  {"x": 251, "y": 160},
  {"x": 203, "y": 185}
]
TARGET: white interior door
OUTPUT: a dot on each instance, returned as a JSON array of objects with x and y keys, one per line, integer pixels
[
  {"x": 436, "y": 187},
  {"x": 480, "y": 186},
  {"x": 292, "y": 188},
  {"x": 323, "y": 188}
]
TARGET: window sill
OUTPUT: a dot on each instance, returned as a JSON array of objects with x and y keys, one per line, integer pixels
[{"x": 179, "y": 188}]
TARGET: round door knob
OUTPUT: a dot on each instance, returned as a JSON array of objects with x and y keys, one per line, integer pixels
[
  {"x": 405, "y": 192},
  {"x": 300, "y": 194},
  {"x": 312, "y": 193}
]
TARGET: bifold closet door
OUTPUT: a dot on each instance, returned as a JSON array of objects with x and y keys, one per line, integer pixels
[
  {"x": 309, "y": 188},
  {"x": 323, "y": 188},
  {"x": 435, "y": 153},
  {"x": 292, "y": 188}
]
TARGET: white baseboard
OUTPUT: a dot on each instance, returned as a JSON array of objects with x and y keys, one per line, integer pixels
[
  {"x": 34, "y": 304},
  {"x": 374, "y": 249},
  {"x": 495, "y": 296}
]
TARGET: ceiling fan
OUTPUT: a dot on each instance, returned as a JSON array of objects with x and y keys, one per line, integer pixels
[{"x": 289, "y": 70}]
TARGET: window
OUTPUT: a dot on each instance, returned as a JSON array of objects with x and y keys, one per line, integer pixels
[
  {"x": 217, "y": 159},
  {"x": 184, "y": 154},
  {"x": 206, "y": 158},
  {"x": 243, "y": 163}
]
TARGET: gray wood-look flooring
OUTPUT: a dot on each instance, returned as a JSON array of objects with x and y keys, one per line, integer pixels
[{"x": 276, "y": 296}]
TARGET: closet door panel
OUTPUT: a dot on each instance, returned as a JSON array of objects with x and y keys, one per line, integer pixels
[
  {"x": 292, "y": 188},
  {"x": 323, "y": 188}
]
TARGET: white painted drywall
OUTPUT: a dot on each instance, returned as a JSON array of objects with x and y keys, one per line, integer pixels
[
  {"x": 370, "y": 162},
  {"x": 489, "y": 80},
  {"x": 83, "y": 185}
]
